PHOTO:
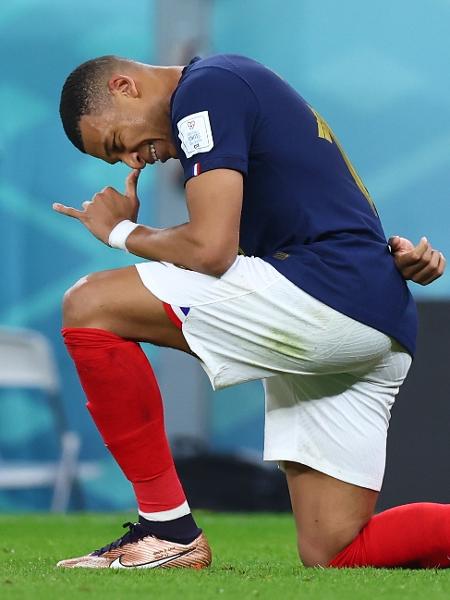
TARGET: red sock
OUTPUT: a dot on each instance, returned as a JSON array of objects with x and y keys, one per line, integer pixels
[
  {"x": 125, "y": 403},
  {"x": 413, "y": 535}
]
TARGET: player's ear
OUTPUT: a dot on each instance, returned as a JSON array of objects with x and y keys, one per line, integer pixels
[{"x": 123, "y": 85}]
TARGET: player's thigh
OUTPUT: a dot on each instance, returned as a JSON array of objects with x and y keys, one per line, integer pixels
[
  {"x": 116, "y": 300},
  {"x": 328, "y": 513}
]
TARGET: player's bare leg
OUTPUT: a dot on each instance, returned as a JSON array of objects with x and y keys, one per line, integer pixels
[
  {"x": 336, "y": 526},
  {"x": 118, "y": 302},
  {"x": 328, "y": 513},
  {"x": 104, "y": 314}
]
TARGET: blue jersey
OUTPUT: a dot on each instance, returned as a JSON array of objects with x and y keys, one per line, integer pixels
[{"x": 305, "y": 209}]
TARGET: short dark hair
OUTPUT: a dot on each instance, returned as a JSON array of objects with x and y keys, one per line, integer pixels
[{"x": 84, "y": 92}]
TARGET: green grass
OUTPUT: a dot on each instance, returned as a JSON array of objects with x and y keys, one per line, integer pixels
[{"x": 254, "y": 557}]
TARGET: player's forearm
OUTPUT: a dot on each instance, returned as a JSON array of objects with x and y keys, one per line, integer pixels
[{"x": 180, "y": 245}]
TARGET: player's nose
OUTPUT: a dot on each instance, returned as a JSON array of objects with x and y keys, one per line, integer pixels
[{"x": 134, "y": 160}]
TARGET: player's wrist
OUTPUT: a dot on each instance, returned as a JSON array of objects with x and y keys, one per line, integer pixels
[{"x": 120, "y": 233}]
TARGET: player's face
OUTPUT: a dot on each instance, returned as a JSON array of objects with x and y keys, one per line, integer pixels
[{"x": 130, "y": 130}]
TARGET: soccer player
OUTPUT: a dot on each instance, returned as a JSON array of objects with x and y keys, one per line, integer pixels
[{"x": 282, "y": 273}]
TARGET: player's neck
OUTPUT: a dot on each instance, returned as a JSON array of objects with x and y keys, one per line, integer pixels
[{"x": 168, "y": 77}]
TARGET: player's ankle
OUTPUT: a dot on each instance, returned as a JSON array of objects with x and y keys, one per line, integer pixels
[{"x": 182, "y": 530}]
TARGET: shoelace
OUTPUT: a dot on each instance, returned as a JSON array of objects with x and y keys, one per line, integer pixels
[{"x": 135, "y": 532}]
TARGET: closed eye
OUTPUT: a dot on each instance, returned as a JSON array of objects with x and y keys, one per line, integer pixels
[
  {"x": 117, "y": 145},
  {"x": 114, "y": 148}
]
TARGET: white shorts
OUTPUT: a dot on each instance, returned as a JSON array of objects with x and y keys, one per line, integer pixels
[{"x": 330, "y": 381}]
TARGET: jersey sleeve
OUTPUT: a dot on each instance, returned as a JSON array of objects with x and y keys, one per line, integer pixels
[{"x": 213, "y": 116}]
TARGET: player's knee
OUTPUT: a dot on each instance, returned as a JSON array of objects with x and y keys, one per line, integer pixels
[
  {"x": 314, "y": 552},
  {"x": 313, "y": 555},
  {"x": 81, "y": 304}
]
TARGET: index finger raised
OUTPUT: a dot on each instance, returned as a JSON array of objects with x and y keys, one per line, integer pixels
[{"x": 68, "y": 211}]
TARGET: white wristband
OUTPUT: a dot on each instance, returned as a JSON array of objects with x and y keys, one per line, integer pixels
[{"x": 119, "y": 234}]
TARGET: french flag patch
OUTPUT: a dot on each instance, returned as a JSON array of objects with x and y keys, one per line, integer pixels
[{"x": 196, "y": 169}]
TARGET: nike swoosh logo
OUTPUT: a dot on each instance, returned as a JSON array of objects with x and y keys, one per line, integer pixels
[{"x": 117, "y": 563}]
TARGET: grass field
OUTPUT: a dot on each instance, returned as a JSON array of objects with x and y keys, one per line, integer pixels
[{"x": 254, "y": 557}]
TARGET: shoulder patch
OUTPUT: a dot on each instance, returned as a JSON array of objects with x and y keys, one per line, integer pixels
[{"x": 195, "y": 133}]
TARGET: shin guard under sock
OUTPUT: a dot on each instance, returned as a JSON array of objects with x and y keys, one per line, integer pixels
[
  {"x": 413, "y": 535},
  {"x": 125, "y": 403}
]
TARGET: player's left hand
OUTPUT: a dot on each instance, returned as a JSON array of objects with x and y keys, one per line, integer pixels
[
  {"x": 422, "y": 264},
  {"x": 106, "y": 208}
]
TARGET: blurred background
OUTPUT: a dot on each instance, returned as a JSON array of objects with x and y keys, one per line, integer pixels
[{"x": 377, "y": 71}]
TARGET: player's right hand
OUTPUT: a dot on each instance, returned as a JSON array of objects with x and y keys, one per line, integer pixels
[
  {"x": 106, "y": 208},
  {"x": 421, "y": 264}
]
